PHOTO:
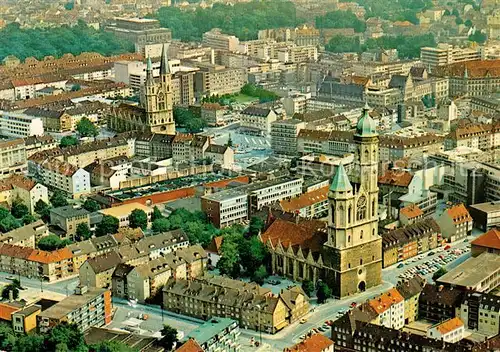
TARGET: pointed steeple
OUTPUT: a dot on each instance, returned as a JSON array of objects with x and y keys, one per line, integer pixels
[
  {"x": 340, "y": 181},
  {"x": 149, "y": 71},
  {"x": 164, "y": 68},
  {"x": 366, "y": 126}
]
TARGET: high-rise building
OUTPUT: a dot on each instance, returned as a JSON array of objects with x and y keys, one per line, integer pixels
[{"x": 353, "y": 248}]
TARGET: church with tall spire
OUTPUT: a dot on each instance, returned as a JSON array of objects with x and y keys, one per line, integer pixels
[
  {"x": 346, "y": 251},
  {"x": 155, "y": 112},
  {"x": 353, "y": 250}
]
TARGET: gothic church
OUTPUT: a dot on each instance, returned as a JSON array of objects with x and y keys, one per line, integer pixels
[{"x": 347, "y": 251}]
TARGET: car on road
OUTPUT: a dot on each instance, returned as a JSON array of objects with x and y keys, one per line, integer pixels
[
  {"x": 322, "y": 329},
  {"x": 353, "y": 305},
  {"x": 447, "y": 247},
  {"x": 303, "y": 321},
  {"x": 400, "y": 266}
]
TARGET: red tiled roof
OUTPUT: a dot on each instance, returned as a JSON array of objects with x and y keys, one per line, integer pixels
[
  {"x": 45, "y": 257},
  {"x": 190, "y": 346},
  {"x": 385, "y": 300},
  {"x": 490, "y": 239},
  {"x": 449, "y": 325},
  {"x": 306, "y": 234},
  {"x": 396, "y": 178},
  {"x": 459, "y": 214},
  {"x": 314, "y": 343},
  {"x": 475, "y": 69},
  {"x": 304, "y": 200},
  {"x": 214, "y": 246},
  {"x": 411, "y": 211},
  {"x": 9, "y": 250}
]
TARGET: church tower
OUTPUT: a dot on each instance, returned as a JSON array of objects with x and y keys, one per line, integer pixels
[
  {"x": 353, "y": 251},
  {"x": 158, "y": 98}
]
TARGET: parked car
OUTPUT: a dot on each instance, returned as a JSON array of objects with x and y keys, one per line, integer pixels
[{"x": 400, "y": 265}]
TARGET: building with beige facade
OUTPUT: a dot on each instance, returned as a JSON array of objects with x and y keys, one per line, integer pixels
[
  {"x": 20, "y": 188},
  {"x": 218, "y": 80},
  {"x": 257, "y": 119},
  {"x": 12, "y": 157},
  {"x": 446, "y": 54},
  {"x": 122, "y": 212},
  {"x": 253, "y": 306},
  {"x": 284, "y": 136}
]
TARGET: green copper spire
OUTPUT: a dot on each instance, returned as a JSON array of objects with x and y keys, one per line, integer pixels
[
  {"x": 366, "y": 126},
  {"x": 340, "y": 182}
]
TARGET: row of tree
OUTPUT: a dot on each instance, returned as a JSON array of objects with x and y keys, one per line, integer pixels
[
  {"x": 340, "y": 19},
  {"x": 264, "y": 95},
  {"x": 187, "y": 119},
  {"x": 241, "y": 19},
  {"x": 57, "y": 41},
  {"x": 407, "y": 46},
  {"x": 62, "y": 338}
]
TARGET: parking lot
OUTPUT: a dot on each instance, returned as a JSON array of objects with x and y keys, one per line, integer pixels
[{"x": 427, "y": 264}]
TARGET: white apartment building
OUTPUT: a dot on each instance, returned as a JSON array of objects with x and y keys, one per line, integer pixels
[
  {"x": 12, "y": 157},
  {"x": 122, "y": 213},
  {"x": 296, "y": 104},
  {"x": 133, "y": 73},
  {"x": 218, "y": 40},
  {"x": 284, "y": 136},
  {"x": 445, "y": 54},
  {"x": 390, "y": 308},
  {"x": 480, "y": 312},
  {"x": 20, "y": 125},
  {"x": 61, "y": 175},
  {"x": 226, "y": 208},
  {"x": 257, "y": 119},
  {"x": 297, "y": 54},
  {"x": 451, "y": 330},
  {"x": 268, "y": 192}
]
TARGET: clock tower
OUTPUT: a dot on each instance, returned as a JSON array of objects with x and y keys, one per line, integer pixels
[{"x": 353, "y": 251}]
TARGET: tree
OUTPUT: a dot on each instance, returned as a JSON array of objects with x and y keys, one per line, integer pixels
[
  {"x": 340, "y": 19},
  {"x": 478, "y": 37},
  {"x": 156, "y": 214},
  {"x": 42, "y": 209},
  {"x": 342, "y": 44},
  {"x": 260, "y": 275},
  {"x": 83, "y": 232},
  {"x": 51, "y": 243},
  {"x": 18, "y": 209},
  {"x": 6, "y": 292},
  {"x": 68, "y": 141},
  {"x": 28, "y": 343},
  {"x": 138, "y": 218},
  {"x": 28, "y": 219},
  {"x": 458, "y": 21},
  {"x": 111, "y": 346},
  {"x": 91, "y": 205},
  {"x": 58, "y": 199},
  {"x": 76, "y": 87},
  {"x": 161, "y": 225},
  {"x": 440, "y": 272},
  {"x": 7, "y": 336},
  {"x": 108, "y": 226},
  {"x": 324, "y": 292},
  {"x": 65, "y": 337},
  {"x": 69, "y": 5},
  {"x": 229, "y": 262},
  {"x": 468, "y": 23},
  {"x": 87, "y": 128},
  {"x": 252, "y": 253},
  {"x": 169, "y": 337},
  {"x": 9, "y": 223},
  {"x": 308, "y": 287},
  {"x": 255, "y": 226}
]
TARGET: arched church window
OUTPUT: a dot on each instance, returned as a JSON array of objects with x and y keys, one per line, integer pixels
[
  {"x": 361, "y": 234},
  {"x": 361, "y": 208},
  {"x": 373, "y": 207},
  {"x": 373, "y": 233},
  {"x": 349, "y": 214}
]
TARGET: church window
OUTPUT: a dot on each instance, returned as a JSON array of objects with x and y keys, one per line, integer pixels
[
  {"x": 348, "y": 239},
  {"x": 373, "y": 232},
  {"x": 373, "y": 207},
  {"x": 349, "y": 214},
  {"x": 333, "y": 213},
  {"x": 361, "y": 208},
  {"x": 348, "y": 265},
  {"x": 361, "y": 235},
  {"x": 361, "y": 261}
]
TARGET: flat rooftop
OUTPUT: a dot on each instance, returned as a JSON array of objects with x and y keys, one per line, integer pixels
[
  {"x": 473, "y": 271},
  {"x": 125, "y": 209},
  {"x": 211, "y": 328},
  {"x": 487, "y": 207},
  {"x": 166, "y": 185},
  {"x": 71, "y": 303}
]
